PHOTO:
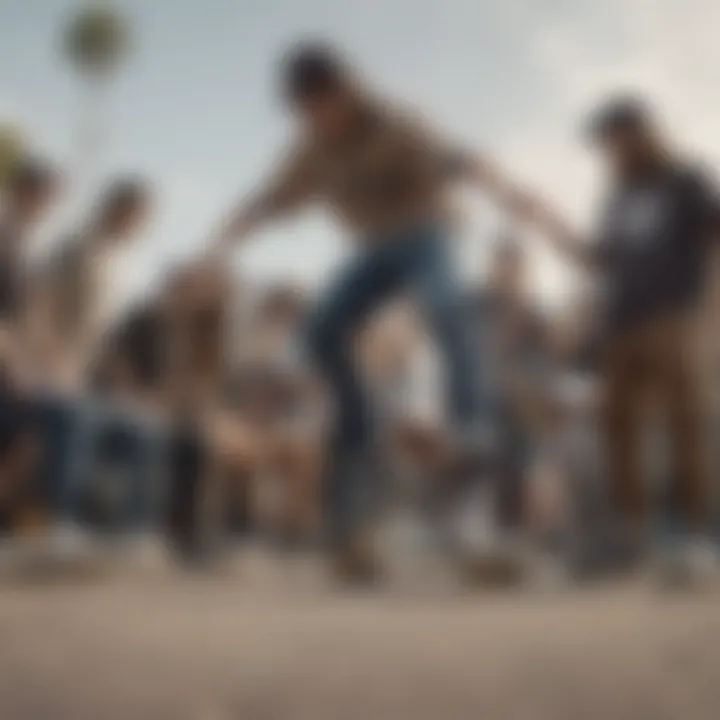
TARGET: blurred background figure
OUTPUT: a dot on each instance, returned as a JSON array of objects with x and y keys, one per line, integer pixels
[
  {"x": 69, "y": 303},
  {"x": 516, "y": 350},
  {"x": 28, "y": 194},
  {"x": 67, "y": 320},
  {"x": 652, "y": 254}
]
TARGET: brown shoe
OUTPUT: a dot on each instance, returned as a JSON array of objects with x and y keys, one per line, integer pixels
[
  {"x": 30, "y": 521},
  {"x": 493, "y": 570},
  {"x": 356, "y": 564}
]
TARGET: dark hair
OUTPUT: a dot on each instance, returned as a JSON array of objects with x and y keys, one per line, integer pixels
[
  {"x": 619, "y": 114},
  {"x": 121, "y": 195},
  {"x": 30, "y": 176},
  {"x": 310, "y": 70}
]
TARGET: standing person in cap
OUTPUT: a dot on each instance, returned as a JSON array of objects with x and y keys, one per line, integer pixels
[
  {"x": 653, "y": 242},
  {"x": 386, "y": 178}
]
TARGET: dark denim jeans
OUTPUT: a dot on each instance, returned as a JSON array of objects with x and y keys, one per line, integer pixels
[
  {"x": 126, "y": 466},
  {"x": 82, "y": 440},
  {"x": 56, "y": 420},
  {"x": 420, "y": 261}
]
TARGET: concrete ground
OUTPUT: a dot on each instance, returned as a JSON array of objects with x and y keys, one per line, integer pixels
[{"x": 266, "y": 641}]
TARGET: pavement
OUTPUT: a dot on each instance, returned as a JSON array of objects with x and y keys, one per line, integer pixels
[{"x": 265, "y": 639}]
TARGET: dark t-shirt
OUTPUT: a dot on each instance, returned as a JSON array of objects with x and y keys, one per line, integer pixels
[
  {"x": 141, "y": 342},
  {"x": 653, "y": 242}
]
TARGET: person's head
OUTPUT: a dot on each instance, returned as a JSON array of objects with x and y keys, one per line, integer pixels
[
  {"x": 30, "y": 191},
  {"x": 626, "y": 131},
  {"x": 319, "y": 88},
  {"x": 283, "y": 306},
  {"x": 509, "y": 268},
  {"x": 123, "y": 207}
]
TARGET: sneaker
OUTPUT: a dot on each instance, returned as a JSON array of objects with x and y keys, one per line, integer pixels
[
  {"x": 65, "y": 554},
  {"x": 356, "y": 564},
  {"x": 143, "y": 547},
  {"x": 688, "y": 563},
  {"x": 485, "y": 555},
  {"x": 617, "y": 551},
  {"x": 69, "y": 539},
  {"x": 498, "y": 566}
]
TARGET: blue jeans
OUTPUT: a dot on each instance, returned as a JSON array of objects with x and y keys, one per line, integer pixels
[
  {"x": 72, "y": 430},
  {"x": 130, "y": 449},
  {"x": 418, "y": 260},
  {"x": 57, "y": 420}
]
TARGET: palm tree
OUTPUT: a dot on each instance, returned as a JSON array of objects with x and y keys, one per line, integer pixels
[{"x": 95, "y": 42}]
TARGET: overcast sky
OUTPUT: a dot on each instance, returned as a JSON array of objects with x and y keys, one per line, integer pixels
[{"x": 194, "y": 106}]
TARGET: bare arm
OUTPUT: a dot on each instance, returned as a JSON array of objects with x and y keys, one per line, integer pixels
[
  {"x": 292, "y": 186},
  {"x": 518, "y": 204},
  {"x": 565, "y": 241}
]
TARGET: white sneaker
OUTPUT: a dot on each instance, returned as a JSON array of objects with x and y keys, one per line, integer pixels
[
  {"x": 688, "y": 563},
  {"x": 488, "y": 556},
  {"x": 66, "y": 553},
  {"x": 141, "y": 551},
  {"x": 475, "y": 526},
  {"x": 71, "y": 544}
]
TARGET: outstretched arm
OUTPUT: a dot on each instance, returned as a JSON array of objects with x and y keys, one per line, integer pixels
[
  {"x": 518, "y": 204},
  {"x": 292, "y": 186},
  {"x": 565, "y": 241}
]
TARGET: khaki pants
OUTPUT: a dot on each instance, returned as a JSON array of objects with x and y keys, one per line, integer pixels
[{"x": 656, "y": 362}]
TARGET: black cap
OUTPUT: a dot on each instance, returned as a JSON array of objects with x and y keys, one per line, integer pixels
[
  {"x": 621, "y": 113},
  {"x": 123, "y": 193},
  {"x": 312, "y": 69}
]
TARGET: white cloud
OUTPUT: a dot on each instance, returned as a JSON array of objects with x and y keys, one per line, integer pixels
[{"x": 666, "y": 49}]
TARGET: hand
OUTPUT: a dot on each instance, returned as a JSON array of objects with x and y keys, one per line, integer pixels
[{"x": 211, "y": 267}]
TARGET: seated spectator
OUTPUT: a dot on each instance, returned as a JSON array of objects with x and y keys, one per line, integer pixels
[
  {"x": 512, "y": 343},
  {"x": 129, "y": 380},
  {"x": 65, "y": 331},
  {"x": 26, "y": 199},
  {"x": 211, "y": 452},
  {"x": 18, "y": 447},
  {"x": 70, "y": 295},
  {"x": 273, "y": 394}
]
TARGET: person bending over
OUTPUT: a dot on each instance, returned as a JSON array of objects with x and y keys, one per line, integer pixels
[{"x": 386, "y": 177}]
